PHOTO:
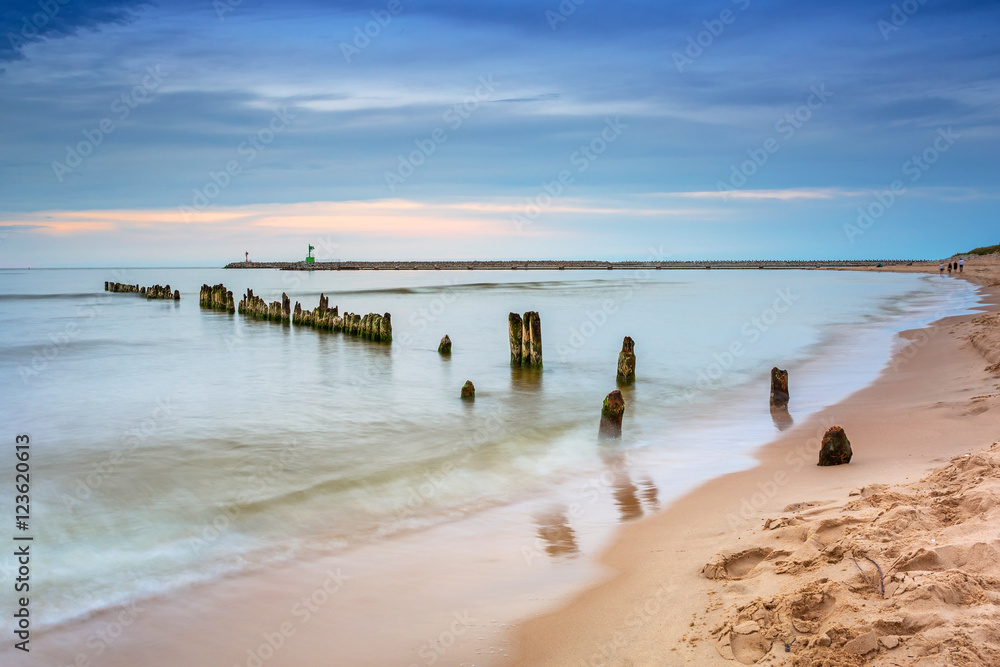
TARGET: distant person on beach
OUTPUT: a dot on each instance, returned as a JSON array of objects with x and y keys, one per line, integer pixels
[
  {"x": 961, "y": 266},
  {"x": 949, "y": 267},
  {"x": 941, "y": 268}
]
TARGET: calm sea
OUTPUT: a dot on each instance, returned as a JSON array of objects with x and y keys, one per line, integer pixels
[{"x": 173, "y": 444}]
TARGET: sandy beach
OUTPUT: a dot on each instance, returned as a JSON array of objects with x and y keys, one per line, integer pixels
[
  {"x": 702, "y": 582},
  {"x": 890, "y": 560}
]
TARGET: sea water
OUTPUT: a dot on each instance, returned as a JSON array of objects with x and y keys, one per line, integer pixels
[{"x": 173, "y": 444}]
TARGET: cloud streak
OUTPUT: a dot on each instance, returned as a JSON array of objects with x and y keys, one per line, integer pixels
[{"x": 23, "y": 22}]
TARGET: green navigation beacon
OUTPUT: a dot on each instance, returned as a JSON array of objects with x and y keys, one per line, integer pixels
[{"x": 309, "y": 258}]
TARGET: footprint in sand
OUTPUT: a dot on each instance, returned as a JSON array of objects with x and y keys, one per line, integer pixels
[
  {"x": 810, "y": 608},
  {"x": 735, "y": 566},
  {"x": 750, "y": 647},
  {"x": 744, "y": 643}
]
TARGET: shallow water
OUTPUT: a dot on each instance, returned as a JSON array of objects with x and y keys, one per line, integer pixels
[{"x": 173, "y": 444}]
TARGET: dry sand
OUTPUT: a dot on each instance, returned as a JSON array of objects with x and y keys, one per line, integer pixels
[{"x": 893, "y": 559}]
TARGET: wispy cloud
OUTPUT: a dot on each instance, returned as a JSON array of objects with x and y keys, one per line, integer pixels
[
  {"x": 24, "y": 22},
  {"x": 389, "y": 217},
  {"x": 782, "y": 194}
]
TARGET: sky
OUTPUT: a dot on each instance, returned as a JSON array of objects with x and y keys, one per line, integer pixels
[{"x": 186, "y": 133}]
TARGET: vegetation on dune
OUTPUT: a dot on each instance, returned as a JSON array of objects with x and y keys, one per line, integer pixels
[{"x": 985, "y": 250}]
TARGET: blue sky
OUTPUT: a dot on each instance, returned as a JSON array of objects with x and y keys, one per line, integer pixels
[{"x": 186, "y": 133}]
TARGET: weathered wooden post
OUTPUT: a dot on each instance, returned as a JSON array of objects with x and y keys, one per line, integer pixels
[
  {"x": 515, "y": 330},
  {"x": 531, "y": 347},
  {"x": 386, "y": 330},
  {"x": 468, "y": 390},
  {"x": 779, "y": 388},
  {"x": 611, "y": 416},
  {"x": 444, "y": 347},
  {"x": 836, "y": 448},
  {"x": 626, "y": 362}
]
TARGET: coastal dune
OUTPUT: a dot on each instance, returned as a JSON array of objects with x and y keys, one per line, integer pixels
[{"x": 893, "y": 559}]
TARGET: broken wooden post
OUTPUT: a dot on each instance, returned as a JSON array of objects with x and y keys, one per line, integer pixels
[
  {"x": 515, "y": 331},
  {"x": 626, "y": 362},
  {"x": 611, "y": 416},
  {"x": 836, "y": 448},
  {"x": 531, "y": 347},
  {"x": 468, "y": 390},
  {"x": 779, "y": 388},
  {"x": 444, "y": 347},
  {"x": 386, "y": 328}
]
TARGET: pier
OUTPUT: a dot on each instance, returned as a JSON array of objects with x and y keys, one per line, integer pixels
[{"x": 563, "y": 265}]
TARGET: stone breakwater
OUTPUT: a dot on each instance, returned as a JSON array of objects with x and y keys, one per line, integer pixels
[
  {"x": 154, "y": 292},
  {"x": 217, "y": 297},
  {"x": 569, "y": 265},
  {"x": 372, "y": 326}
]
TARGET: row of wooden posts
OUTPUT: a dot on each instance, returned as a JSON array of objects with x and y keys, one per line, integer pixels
[
  {"x": 525, "y": 334},
  {"x": 372, "y": 326},
  {"x": 153, "y": 292},
  {"x": 526, "y": 351},
  {"x": 835, "y": 448},
  {"x": 614, "y": 404}
]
